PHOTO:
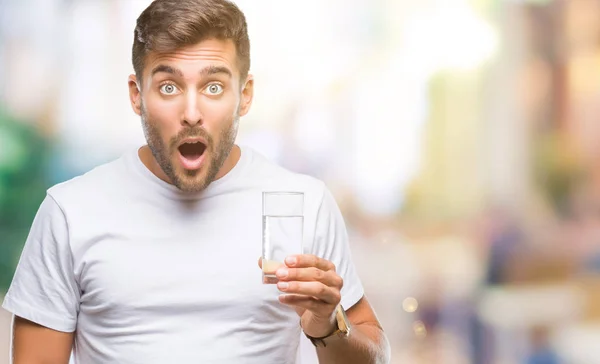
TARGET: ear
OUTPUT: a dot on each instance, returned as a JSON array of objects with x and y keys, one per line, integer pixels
[
  {"x": 135, "y": 95},
  {"x": 247, "y": 95}
]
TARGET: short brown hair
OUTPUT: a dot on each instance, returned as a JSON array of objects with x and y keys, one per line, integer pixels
[{"x": 167, "y": 25}]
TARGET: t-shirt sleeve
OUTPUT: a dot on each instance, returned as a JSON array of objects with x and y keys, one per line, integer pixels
[
  {"x": 44, "y": 289},
  {"x": 332, "y": 243}
]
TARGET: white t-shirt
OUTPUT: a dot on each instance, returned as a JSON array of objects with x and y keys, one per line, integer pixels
[{"x": 144, "y": 273}]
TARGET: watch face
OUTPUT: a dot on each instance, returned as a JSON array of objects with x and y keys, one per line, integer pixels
[{"x": 342, "y": 320}]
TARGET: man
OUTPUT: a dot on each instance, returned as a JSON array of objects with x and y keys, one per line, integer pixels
[{"x": 152, "y": 258}]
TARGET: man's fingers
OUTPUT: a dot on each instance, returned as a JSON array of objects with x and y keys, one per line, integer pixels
[
  {"x": 309, "y": 260},
  {"x": 329, "y": 278},
  {"x": 312, "y": 289},
  {"x": 306, "y": 302}
]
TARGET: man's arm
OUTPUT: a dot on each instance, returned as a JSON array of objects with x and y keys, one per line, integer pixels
[
  {"x": 366, "y": 344},
  {"x": 36, "y": 344},
  {"x": 312, "y": 286},
  {"x": 44, "y": 294}
]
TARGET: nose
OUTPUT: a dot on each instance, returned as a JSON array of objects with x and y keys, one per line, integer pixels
[{"x": 192, "y": 114}]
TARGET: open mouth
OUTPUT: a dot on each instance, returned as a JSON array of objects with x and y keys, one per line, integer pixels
[
  {"x": 191, "y": 154},
  {"x": 192, "y": 151}
]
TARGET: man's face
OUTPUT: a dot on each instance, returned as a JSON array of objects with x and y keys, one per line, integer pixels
[{"x": 190, "y": 103}]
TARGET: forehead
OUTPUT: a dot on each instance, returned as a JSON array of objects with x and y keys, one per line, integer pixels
[{"x": 209, "y": 52}]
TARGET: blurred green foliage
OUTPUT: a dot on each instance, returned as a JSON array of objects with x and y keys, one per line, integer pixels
[{"x": 24, "y": 154}]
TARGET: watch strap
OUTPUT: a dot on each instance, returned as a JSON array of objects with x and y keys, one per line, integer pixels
[{"x": 342, "y": 329}]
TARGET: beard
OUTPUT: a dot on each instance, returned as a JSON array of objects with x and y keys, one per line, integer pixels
[{"x": 191, "y": 181}]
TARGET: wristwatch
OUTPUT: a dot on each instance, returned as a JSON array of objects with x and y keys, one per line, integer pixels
[{"x": 342, "y": 330}]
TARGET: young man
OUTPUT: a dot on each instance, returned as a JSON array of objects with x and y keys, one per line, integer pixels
[{"x": 152, "y": 258}]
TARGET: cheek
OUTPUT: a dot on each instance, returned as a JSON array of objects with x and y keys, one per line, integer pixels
[
  {"x": 219, "y": 113},
  {"x": 163, "y": 115},
  {"x": 162, "y": 110}
]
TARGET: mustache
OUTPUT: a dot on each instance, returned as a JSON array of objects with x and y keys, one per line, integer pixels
[{"x": 195, "y": 132}]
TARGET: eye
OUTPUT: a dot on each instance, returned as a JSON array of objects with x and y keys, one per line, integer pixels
[
  {"x": 214, "y": 89},
  {"x": 169, "y": 89}
]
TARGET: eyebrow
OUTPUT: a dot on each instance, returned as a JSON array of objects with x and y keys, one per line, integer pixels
[
  {"x": 166, "y": 69},
  {"x": 213, "y": 70},
  {"x": 205, "y": 72}
]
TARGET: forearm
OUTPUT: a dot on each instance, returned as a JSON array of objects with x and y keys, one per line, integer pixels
[{"x": 367, "y": 344}]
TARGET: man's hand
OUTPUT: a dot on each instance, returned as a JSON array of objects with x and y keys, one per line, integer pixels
[{"x": 312, "y": 286}]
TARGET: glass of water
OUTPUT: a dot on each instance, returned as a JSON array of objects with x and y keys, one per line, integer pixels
[{"x": 283, "y": 223}]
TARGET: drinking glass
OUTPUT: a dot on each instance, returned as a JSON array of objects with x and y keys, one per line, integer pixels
[{"x": 283, "y": 222}]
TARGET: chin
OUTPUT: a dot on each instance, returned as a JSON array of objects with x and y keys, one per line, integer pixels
[
  {"x": 192, "y": 186},
  {"x": 187, "y": 181}
]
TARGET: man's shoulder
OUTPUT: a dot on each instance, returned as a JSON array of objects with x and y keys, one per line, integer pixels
[{"x": 93, "y": 183}]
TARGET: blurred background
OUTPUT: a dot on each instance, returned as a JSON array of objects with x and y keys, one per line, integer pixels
[{"x": 460, "y": 138}]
